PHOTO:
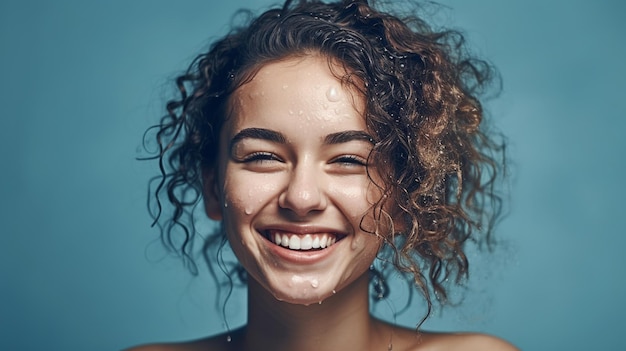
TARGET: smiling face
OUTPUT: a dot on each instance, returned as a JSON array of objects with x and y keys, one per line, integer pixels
[{"x": 291, "y": 186}]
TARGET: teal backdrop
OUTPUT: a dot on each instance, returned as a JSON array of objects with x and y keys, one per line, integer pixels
[{"x": 81, "y": 268}]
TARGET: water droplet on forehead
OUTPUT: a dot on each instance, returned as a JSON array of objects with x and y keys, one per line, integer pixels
[{"x": 332, "y": 94}]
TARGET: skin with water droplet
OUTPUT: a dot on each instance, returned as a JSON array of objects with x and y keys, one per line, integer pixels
[
  {"x": 332, "y": 94},
  {"x": 255, "y": 195}
]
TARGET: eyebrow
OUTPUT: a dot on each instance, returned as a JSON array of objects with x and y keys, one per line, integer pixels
[
  {"x": 277, "y": 137},
  {"x": 258, "y": 133},
  {"x": 347, "y": 136}
]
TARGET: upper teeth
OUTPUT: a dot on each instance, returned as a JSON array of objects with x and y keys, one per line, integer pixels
[{"x": 304, "y": 242}]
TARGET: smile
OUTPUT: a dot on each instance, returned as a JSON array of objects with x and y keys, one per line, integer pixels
[{"x": 302, "y": 242}]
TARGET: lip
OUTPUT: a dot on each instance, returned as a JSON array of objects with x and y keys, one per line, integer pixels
[{"x": 298, "y": 256}]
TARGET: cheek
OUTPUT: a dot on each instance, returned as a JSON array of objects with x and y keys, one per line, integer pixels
[
  {"x": 351, "y": 194},
  {"x": 357, "y": 198},
  {"x": 245, "y": 194},
  {"x": 373, "y": 223}
]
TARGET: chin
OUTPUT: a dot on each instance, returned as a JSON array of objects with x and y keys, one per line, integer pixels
[
  {"x": 299, "y": 300},
  {"x": 301, "y": 289}
]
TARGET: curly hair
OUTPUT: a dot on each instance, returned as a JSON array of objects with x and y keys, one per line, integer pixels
[{"x": 438, "y": 162}]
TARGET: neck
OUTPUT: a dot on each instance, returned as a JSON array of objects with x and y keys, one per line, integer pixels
[{"x": 341, "y": 322}]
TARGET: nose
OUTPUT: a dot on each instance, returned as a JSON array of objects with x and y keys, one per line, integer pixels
[{"x": 304, "y": 193}]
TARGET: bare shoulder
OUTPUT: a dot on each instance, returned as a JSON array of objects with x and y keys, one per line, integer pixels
[
  {"x": 462, "y": 341},
  {"x": 410, "y": 340},
  {"x": 477, "y": 342}
]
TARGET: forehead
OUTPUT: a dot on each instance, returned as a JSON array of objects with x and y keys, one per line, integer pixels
[
  {"x": 295, "y": 87},
  {"x": 315, "y": 69}
]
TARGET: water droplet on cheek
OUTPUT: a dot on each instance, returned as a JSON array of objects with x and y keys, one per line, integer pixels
[
  {"x": 332, "y": 94},
  {"x": 248, "y": 211},
  {"x": 334, "y": 292}
]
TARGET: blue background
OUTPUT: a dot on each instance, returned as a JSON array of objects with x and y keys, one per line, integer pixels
[{"x": 81, "y": 269}]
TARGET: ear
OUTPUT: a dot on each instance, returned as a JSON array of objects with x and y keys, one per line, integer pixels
[{"x": 210, "y": 194}]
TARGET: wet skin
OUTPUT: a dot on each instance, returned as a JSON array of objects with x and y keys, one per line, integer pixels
[
  {"x": 292, "y": 164},
  {"x": 291, "y": 186}
]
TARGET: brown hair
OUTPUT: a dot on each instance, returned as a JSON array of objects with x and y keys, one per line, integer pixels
[{"x": 438, "y": 164}]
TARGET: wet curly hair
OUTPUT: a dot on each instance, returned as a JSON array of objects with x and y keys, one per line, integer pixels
[{"x": 438, "y": 163}]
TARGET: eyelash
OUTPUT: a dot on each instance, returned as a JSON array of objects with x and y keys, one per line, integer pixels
[
  {"x": 351, "y": 160},
  {"x": 261, "y": 157}
]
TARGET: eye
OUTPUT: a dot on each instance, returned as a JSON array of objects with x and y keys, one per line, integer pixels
[
  {"x": 350, "y": 161},
  {"x": 261, "y": 157}
]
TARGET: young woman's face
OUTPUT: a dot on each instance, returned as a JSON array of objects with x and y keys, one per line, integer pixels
[{"x": 292, "y": 187}]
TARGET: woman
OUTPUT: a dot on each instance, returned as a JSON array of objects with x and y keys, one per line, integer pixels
[{"x": 321, "y": 137}]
